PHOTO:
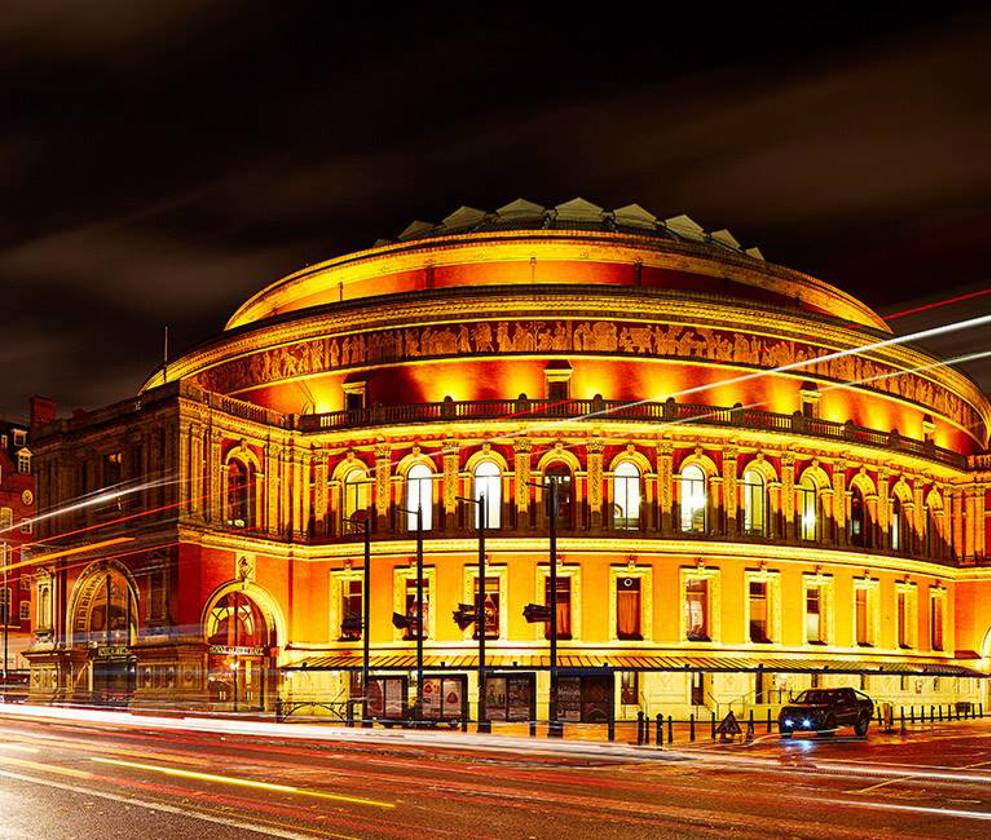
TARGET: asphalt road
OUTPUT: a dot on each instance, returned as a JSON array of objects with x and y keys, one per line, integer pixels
[{"x": 85, "y": 779}]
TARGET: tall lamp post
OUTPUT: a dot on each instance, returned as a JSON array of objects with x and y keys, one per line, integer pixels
[
  {"x": 361, "y": 520},
  {"x": 418, "y": 706},
  {"x": 6, "y": 619},
  {"x": 484, "y": 725},
  {"x": 548, "y": 612}
]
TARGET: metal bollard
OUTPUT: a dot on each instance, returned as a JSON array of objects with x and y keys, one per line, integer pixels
[
  {"x": 639, "y": 728},
  {"x": 911, "y": 713},
  {"x": 670, "y": 729},
  {"x": 880, "y": 718},
  {"x": 932, "y": 714},
  {"x": 349, "y": 722},
  {"x": 769, "y": 721},
  {"x": 533, "y": 729},
  {"x": 611, "y": 728},
  {"x": 712, "y": 725},
  {"x": 901, "y": 714},
  {"x": 464, "y": 723},
  {"x": 980, "y": 708},
  {"x": 659, "y": 726},
  {"x": 940, "y": 711},
  {"x": 278, "y": 709},
  {"x": 691, "y": 727}
]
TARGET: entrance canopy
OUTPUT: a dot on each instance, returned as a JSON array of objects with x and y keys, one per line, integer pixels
[{"x": 714, "y": 664}]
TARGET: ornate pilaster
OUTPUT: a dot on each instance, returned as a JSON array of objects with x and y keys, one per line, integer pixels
[
  {"x": 184, "y": 471},
  {"x": 521, "y": 450},
  {"x": 272, "y": 455},
  {"x": 883, "y": 509},
  {"x": 919, "y": 515},
  {"x": 788, "y": 494},
  {"x": 980, "y": 516},
  {"x": 970, "y": 533},
  {"x": 595, "y": 482},
  {"x": 665, "y": 469},
  {"x": 383, "y": 470},
  {"x": 320, "y": 493},
  {"x": 730, "y": 490},
  {"x": 955, "y": 496},
  {"x": 451, "y": 452},
  {"x": 839, "y": 501},
  {"x": 216, "y": 478}
]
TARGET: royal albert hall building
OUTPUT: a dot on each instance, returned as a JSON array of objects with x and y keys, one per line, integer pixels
[{"x": 759, "y": 491}]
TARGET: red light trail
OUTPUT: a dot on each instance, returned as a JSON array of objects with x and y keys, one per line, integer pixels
[{"x": 936, "y": 304}]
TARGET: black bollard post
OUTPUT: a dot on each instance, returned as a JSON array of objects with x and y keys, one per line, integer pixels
[
  {"x": 768, "y": 721},
  {"x": 611, "y": 728},
  {"x": 932, "y": 714},
  {"x": 901, "y": 714},
  {"x": 980, "y": 708},
  {"x": 670, "y": 730},
  {"x": 659, "y": 729},
  {"x": 911, "y": 713},
  {"x": 712, "y": 725},
  {"x": 880, "y": 719},
  {"x": 691, "y": 727},
  {"x": 349, "y": 722},
  {"x": 940, "y": 708},
  {"x": 639, "y": 728},
  {"x": 533, "y": 728},
  {"x": 750, "y": 728}
]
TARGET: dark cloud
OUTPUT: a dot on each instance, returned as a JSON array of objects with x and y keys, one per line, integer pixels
[{"x": 164, "y": 161}]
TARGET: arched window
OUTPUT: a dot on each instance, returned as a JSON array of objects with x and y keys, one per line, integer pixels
[
  {"x": 419, "y": 496},
  {"x": 896, "y": 526},
  {"x": 488, "y": 483},
  {"x": 626, "y": 496},
  {"x": 807, "y": 508},
  {"x": 693, "y": 499},
  {"x": 356, "y": 495},
  {"x": 754, "y": 503},
  {"x": 858, "y": 518},
  {"x": 240, "y": 495},
  {"x": 560, "y": 474}
]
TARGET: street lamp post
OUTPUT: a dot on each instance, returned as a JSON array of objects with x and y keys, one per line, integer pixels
[
  {"x": 361, "y": 519},
  {"x": 6, "y": 621},
  {"x": 484, "y": 724},
  {"x": 418, "y": 706}
]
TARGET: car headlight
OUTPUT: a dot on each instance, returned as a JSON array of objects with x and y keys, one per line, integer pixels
[
  {"x": 787, "y": 721},
  {"x": 806, "y": 722}
]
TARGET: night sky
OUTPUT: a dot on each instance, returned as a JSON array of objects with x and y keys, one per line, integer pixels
[{"x": 160, "y": 161}]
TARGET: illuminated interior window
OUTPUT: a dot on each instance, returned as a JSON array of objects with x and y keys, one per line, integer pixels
[
  {"x": 806, "y": 502},
  {"x": 419, "y": 496},
  {"x": 693, "y": 499},
  {"x": 754, "y": 503},
  {"x": 626, "y": 496},
  {"x": 356, "y": 496},
  {"x": 488, "y": 490}
]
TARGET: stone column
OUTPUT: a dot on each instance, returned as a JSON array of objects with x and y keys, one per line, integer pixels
[
  {"x": 883, "y": 531},
  {"x": 980, "y": 517},
  {"x": 774, "y": 503},
  {"x": 955, "y": 506},
  {"x": 730, "y": 490},
  {"x": 320, "y": 494},
  {"x": 215, "y": 475},
  {"x": 595, "y": 481},
  {"x": 665, "y": 459},
  {"x": 918, "y": 518},
  {"x": 272, "y": 455},
  {"x": 970, "y": 534},
  {"x": 827, "y": 516},
  {"x": 285, "y": 490}
]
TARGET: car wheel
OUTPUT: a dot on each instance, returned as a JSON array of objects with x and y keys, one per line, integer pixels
[
  {"x": 860, "y": 727},
  {"x": 829, "y": 728}
]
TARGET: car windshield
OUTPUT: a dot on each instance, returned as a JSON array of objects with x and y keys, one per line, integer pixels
[{"x": 814, "y": 696}]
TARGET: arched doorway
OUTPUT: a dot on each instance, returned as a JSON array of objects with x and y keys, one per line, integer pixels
[
  {"x": 240, "y": 656},
  {"x": 105, "y": 621}
]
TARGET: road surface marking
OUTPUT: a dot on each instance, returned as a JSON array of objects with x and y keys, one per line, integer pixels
[
  {"x": 916, "y": 809},
  {"x": 48, "y": 768},
  {"x": 268, "y": 831},
  {"x": 19, "y": 748},
  {"x": 252, "y": 783}
]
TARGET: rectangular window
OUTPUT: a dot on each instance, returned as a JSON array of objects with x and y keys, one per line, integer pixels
[
  {"x": 351, "y": 610},
  {"x": 410, "y": 631},
  {"x": 628, "y": 612},
  {"x": 25, "y": 610},
  {"x": 936, "y": 622},
  {"x": 27, "y": 526},
  {"x": 557, "y": 391},
  {"x": 759, "y": 617},
  {"x": 697, "y": 610},
  {"x": 864, "y": 618},
  {"x": 23, "y": 462},
  {"x": 808, "y": 519},
  {"x": 113, "y": 463},
  {"x": 904, "y": 617},
  {"x": 629, "y": 688},
  {"x": 814, "y": 629},
  {"x": 563, "y": 607},
  {"x": 490, "y": 607},
  {"x": 20, "y": 437}
]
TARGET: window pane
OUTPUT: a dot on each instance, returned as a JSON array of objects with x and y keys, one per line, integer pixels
[
  {"x": 626, "y": 495},
  {"x": 488, "y": 484},
  {"x": 563, "y": 607},
  {"x": 697, "y": 610},
  {"x": 490, "y": 607},
  {"x": 419, "y": 496},
  {"x": 628, "y": 608},
  {"x": 693, "y": 499},
  {"x": 813, "y": 614},
  {"x": 759, "y": 625}
]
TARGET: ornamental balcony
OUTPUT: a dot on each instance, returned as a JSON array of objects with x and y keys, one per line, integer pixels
[{"x": 599, "y": 410}]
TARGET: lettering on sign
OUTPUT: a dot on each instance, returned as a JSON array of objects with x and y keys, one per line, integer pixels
[{"x": 236, "y": 650}]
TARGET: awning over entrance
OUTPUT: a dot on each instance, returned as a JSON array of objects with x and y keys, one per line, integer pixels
[{"x": 708, "y": 664}]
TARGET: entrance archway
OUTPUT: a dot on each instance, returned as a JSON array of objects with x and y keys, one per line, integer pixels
[
  {"x": 104, "y": 619},
  {"x": 242, "y": 643}
]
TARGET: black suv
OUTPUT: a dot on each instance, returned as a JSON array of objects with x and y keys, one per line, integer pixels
[{"x": 824, "y": 710}]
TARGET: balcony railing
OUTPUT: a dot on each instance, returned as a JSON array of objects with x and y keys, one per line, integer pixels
[{"x": 598, "y": 409}]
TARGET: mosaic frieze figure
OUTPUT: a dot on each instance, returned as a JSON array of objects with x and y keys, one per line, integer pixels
[{"x": 577, "y": 336}]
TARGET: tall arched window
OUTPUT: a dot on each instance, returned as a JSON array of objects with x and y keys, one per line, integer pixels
[
  {"x": 240, "y": 495},
  {"x": 560, "y": 474},
  {"x": 419, "y": 496},
  {"x": 754, "y": 503},
  {"x": 807, "y": 508},
  {"x": 858, "y": 518},
  {"x": 693, "y": 499},
  {"x": 626, "y": 496},
  {"x": 356, "y": 496},
  {"x": 488, "y": 483},
  {"x": 895, "y": 528}
]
